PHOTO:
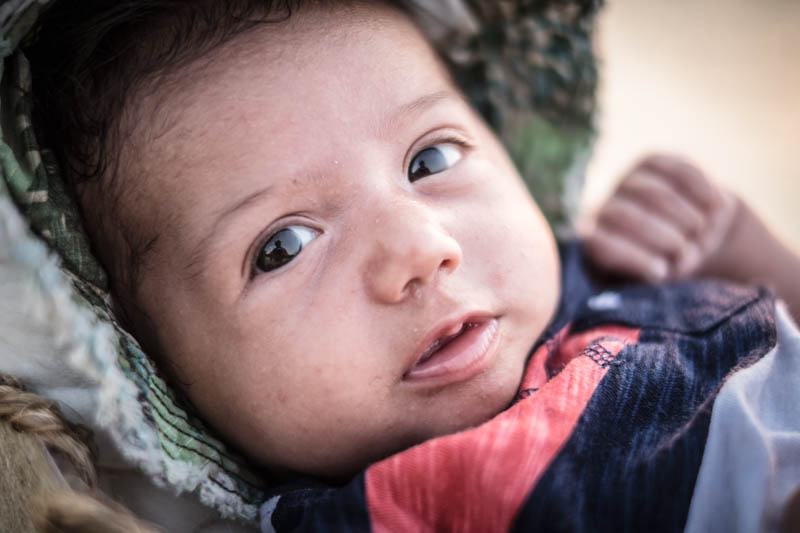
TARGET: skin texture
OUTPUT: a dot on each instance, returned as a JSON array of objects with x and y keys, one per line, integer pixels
[
  {"x": 668, "y": 220},
  {"x": 314, "y": 123}
]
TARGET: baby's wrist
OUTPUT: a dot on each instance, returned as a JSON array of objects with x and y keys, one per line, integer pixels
[{"x": 749, "y": 251}]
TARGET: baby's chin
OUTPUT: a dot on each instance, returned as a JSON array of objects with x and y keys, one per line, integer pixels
[
  {"x": 454, "y": 415},
  {"x": 337, "y": 452},
  {"x": 483, "y": 405}
]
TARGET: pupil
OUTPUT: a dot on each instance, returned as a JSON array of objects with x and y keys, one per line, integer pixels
[
  {"x": 427, "y": 162},
  {"x": 279, "y": 250}
]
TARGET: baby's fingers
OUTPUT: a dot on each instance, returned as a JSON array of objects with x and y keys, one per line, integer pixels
[
  {"x": 617, "y": 253},
  {"x": 656, "y": 194},
  {"x": 648, "y": 229},
  {"x": 686, "y": 178}
]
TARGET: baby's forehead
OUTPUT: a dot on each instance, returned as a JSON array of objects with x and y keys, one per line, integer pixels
[
  {"x": 328, "y": 60},
  {"x": 313, "y": 56},
  {"x": 283, "y": 104}
]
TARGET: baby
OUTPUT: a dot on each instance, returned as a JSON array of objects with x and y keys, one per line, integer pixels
[
  {"x": 332, "y": 254},
  {"x": 341, "y": 260}
]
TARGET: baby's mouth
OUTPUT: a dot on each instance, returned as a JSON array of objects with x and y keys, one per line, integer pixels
[
  {"x": 441, "y": 342},
  {"x": 460, "y": 352}
]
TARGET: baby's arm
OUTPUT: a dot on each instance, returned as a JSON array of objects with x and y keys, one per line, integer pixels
[{"x": 667, "y": 220}]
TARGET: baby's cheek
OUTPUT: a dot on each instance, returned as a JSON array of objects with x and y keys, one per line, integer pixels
[
  {"x": 281, "y": 397},
  {"x": 499, "y": 278},
  {"x": 509, "y": 256}
]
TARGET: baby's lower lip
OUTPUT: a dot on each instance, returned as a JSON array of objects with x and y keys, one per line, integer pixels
[{"x": 462, "y": 358}]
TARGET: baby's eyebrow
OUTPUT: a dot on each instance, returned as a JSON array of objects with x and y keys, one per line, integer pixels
[
  {"x": 415, "y": 107},
  {"x": 197, "y": 256},
  {"x": 240, "y": 203},
  {"x": 424, "y": 102}
]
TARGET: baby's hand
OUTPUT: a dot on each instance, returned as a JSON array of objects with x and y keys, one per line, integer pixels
[{"x": 666, "y": 220}]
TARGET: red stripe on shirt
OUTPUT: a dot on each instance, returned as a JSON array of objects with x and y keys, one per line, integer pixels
[{"x": 477, "y": 480}]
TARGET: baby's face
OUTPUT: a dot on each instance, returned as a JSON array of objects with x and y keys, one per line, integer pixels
[{"x": 347, "y": 261}]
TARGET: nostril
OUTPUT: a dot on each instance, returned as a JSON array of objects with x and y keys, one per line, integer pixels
[
  {"x": 415, "y": 290},
  {"x": 415, "y": 285}
]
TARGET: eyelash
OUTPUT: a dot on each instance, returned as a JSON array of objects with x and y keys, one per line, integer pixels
[
  {"x": 435, "y": 141},
  {"x": 447, "y": 139}
]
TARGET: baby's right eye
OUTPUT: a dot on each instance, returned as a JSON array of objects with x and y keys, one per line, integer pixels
[{"x": 282, "y": 247}]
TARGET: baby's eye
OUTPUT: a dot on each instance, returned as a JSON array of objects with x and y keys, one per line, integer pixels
[
  {"x": 433, "y": 160},
  {"x": 283, "y": 246}
]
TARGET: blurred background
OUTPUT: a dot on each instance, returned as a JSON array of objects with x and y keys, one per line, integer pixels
[{"x": 715, "y": 80}]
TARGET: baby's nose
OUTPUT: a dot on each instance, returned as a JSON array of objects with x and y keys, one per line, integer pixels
[{"x": 410, "y": 250}]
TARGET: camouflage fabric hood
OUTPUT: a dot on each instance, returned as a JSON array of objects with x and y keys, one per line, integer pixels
[{"x": 527, "y": 66}]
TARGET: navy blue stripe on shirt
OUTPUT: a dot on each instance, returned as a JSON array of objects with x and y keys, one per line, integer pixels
[
  {"x": 322, "y": 511},
  {"x": 631, "y": 464}
]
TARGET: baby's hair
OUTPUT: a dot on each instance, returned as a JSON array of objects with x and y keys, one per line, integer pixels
[{"x": 90, "y": 60}]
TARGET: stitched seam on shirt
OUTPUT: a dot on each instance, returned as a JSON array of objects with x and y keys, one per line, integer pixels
[{"x": 600, "y": 354}]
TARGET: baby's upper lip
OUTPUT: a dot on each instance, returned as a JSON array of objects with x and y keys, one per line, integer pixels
[{"x": 445, "y": 328}]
